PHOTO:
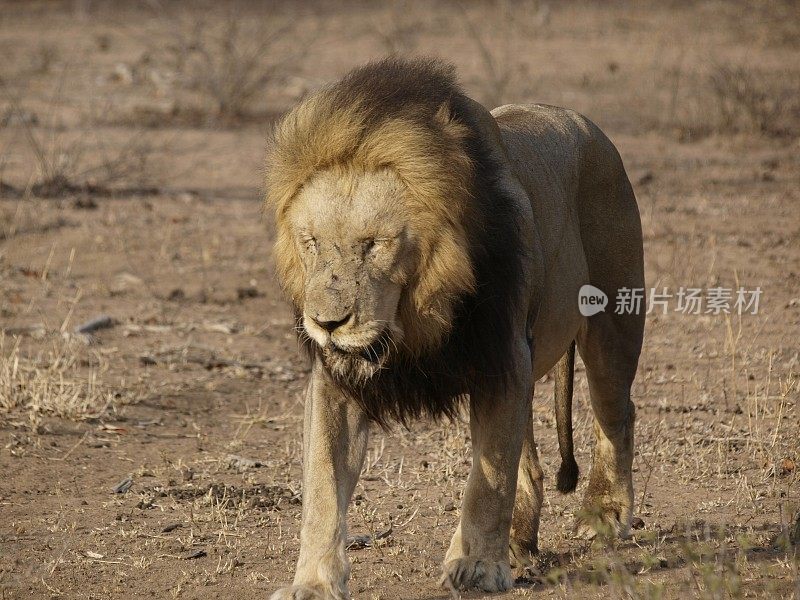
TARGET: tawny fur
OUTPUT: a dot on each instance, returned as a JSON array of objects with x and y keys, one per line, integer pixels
[{"x": 511, "y": 213}]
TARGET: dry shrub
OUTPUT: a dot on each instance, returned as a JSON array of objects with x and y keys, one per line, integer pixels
[
  {"x": 25, "y": 216},
  {"x": 43, "y": 58},
  {"x": 733, "y": 99},
  {"x": 400, "y": 26},
  {"x": 747, "y": 100},
  {"x": 231, "y": 60},
  {"x": 67, "y": 162},
  {"x": 63, "y": 381},
  {"x": 65, "y": 165},
  {"x": 497, "y": 32}
]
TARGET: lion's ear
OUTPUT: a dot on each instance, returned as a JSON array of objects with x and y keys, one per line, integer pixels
[
  {"x": 452, "y": 129},
  {"x": 443, "y": 115}
]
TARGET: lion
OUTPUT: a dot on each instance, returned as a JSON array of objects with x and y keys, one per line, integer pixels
[{"x": 433, "y": 253}]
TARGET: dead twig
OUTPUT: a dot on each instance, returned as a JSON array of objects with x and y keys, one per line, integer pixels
[{"x": 71, "y": 450}]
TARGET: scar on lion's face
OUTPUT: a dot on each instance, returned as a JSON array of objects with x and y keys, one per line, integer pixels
[{"x": 356, "y": 250}]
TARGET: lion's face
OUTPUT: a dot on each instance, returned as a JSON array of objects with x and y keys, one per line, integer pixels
[
  {"x": 372, "y": 217},
  {"x": 356, "y": 249}
]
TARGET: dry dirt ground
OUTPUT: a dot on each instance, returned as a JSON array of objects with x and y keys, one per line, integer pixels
[{"x": 160, "y": 456}]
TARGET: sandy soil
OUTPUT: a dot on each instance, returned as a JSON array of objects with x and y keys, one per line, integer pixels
[{"x": 129, "y": 189}]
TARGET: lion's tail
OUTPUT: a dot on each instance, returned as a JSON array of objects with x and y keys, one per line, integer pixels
[{"x": 564, "y": 372}]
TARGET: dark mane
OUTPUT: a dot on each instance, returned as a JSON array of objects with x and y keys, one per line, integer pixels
[
  {"x": 391, "y": 88},
  {"x": 476, "y": 354}
]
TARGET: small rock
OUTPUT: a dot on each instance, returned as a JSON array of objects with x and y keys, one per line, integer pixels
[
  {"x": 123, "y": 486},
  {"x": 125, "y": 282},
  {"x": 243, "y": 293},
  {"x": 223, "y": 327},
  {"x": 357, "y": 542},
  {"x": 177, "y": 295},
  {"x": 122, "y": 74},
  {"x": 637, "y": 523},
  {"x": 240, "y": 463},
  {"x": 84, "y": 203},
  {"x": 36, "y": 331},
  {"x": 101, "y": 322},
  {"x": 15, "y": 117},
  {"x": 646, "y": 178}
]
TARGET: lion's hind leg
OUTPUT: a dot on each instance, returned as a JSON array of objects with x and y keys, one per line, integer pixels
[
  {"x": 609, "y": 342},
  {"x": 609, "y": 345},
  {"x": 528, "y": 503}
]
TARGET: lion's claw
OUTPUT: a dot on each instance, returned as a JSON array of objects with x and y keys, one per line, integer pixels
[{"x": 485, "y": 575}]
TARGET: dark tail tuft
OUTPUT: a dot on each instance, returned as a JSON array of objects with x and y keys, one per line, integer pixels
[{"x": 567, "y": 477}]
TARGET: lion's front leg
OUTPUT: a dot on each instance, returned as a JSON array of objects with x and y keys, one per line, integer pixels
[
  {"x": 334, "y": 441},
  {"x": 478, "y": 554}
]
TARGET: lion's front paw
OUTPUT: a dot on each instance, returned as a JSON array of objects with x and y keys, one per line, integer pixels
[
  {"x": 486, "y": 575},
  {"x": 301, "y": 592}
]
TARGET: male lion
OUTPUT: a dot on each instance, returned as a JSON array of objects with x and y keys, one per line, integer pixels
[{"x": 433, "y": 252}]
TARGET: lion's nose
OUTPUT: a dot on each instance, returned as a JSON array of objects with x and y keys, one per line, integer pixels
[{"x": 331, "y": 326}]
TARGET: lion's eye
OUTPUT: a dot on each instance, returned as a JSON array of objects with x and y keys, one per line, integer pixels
[
  {"x": 372, "y": 245},
  {"x": 309, "y": 243}
]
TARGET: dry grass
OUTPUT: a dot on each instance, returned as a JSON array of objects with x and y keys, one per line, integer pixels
[
  {"x": 64, "y": 381},
  {"x": 697, "y": 561}
]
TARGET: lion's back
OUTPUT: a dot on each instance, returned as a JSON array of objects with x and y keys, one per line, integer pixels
[
  {"x": 566, "y": 163},
  {"x": 550, "y": 145}
]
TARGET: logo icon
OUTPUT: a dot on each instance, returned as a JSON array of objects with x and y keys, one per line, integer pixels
[{"x": 591, "y": 300}]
